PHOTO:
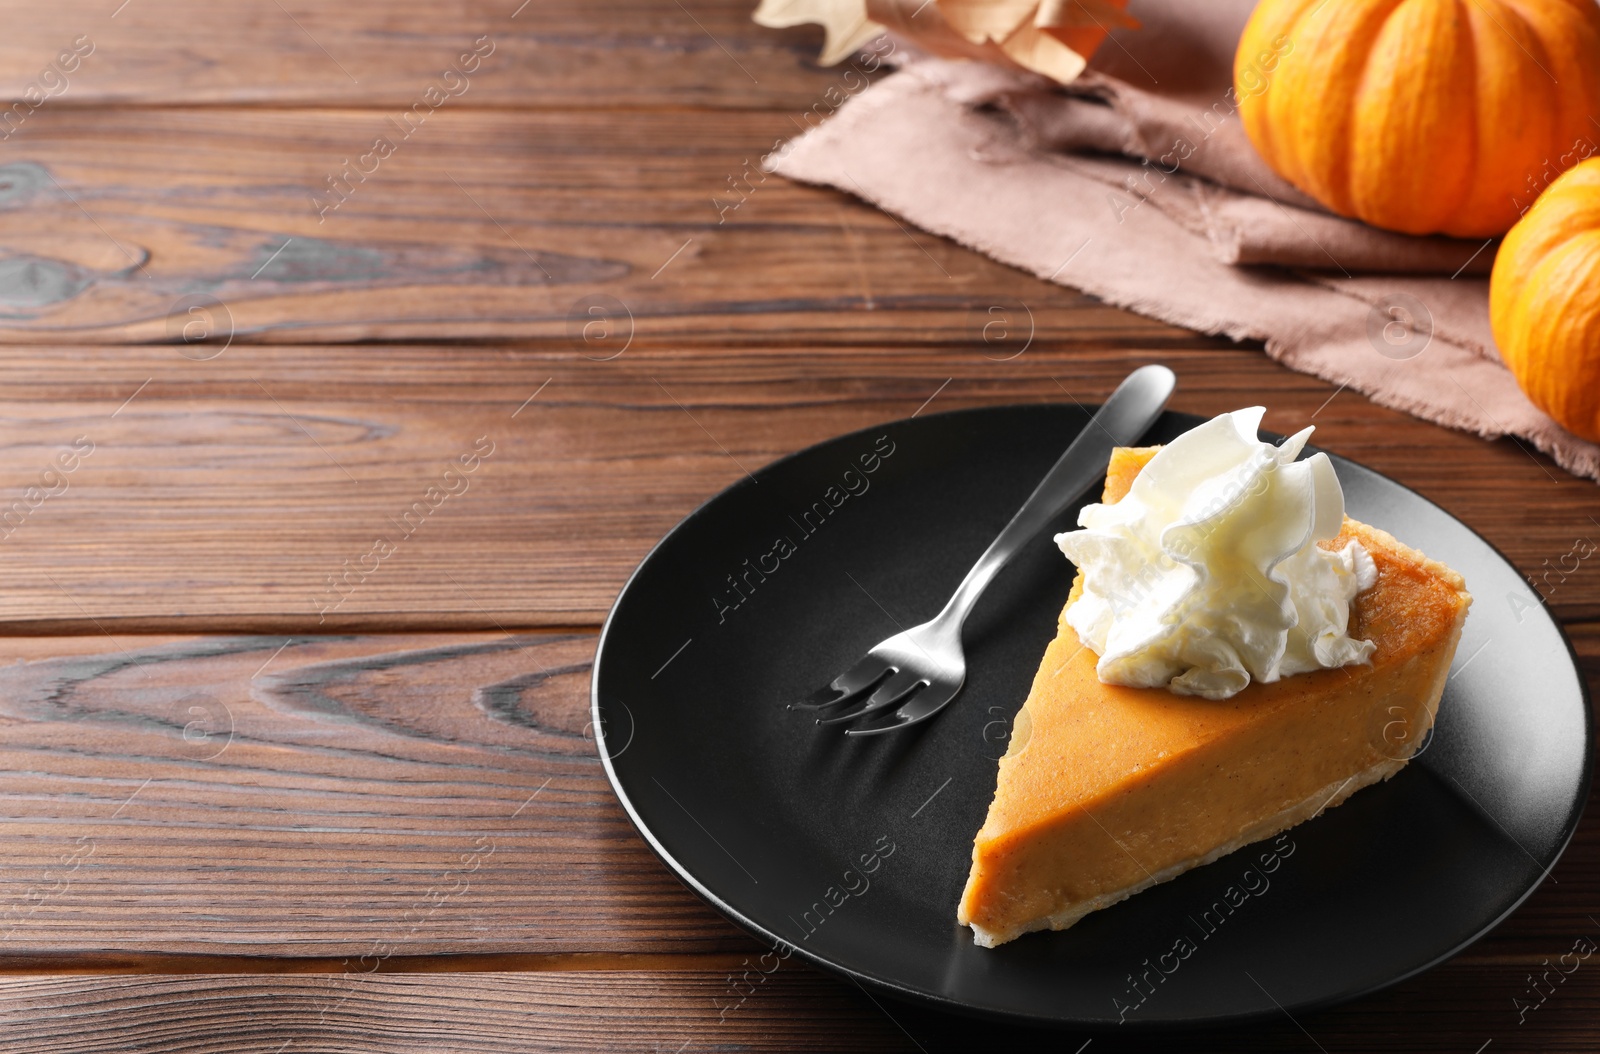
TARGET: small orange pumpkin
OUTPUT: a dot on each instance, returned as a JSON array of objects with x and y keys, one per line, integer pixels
[
  {"x": 1422, "y": 116},
  {"x": 1544, "y": 301}
]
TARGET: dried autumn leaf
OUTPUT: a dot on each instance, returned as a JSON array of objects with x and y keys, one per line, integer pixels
[
  {"x": 1050, "y": 37},
  {"x": 844, "y": 23}
]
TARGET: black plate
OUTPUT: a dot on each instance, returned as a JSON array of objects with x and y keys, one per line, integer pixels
[{"x": 854, "y": 853}]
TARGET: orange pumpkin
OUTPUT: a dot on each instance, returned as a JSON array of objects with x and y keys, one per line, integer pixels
[
  {"x": 1422, "y": 116},
  {"x": 1544, "y": 301}
]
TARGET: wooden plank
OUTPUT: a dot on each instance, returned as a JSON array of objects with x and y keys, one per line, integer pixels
[
  {"x": 168, "y": 225},
  {"x": 463, "y": 1014},
  {"x": 583, "y": 53},
  {"x": 145, "y": 963},
  {"x": 1455, "y": 1008},
  {"x": 331, "y": 797},
  {"x": 220, "y": 496},
  {"x": 370, "y": 799}
]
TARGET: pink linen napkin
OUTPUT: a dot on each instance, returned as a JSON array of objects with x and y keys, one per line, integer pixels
[{"x": 1137, "y": 184}]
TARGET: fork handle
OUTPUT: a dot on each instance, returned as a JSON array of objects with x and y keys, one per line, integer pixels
[{"x": 1126, "y": 415}]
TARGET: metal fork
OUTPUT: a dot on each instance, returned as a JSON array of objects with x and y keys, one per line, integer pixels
[{"x": 920, "y": 670}]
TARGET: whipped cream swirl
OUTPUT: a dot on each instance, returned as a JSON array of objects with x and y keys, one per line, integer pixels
[{"x": 1208, "y": 573}]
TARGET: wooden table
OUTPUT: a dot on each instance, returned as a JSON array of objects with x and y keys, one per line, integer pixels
[{"x": 269, "y": 788}]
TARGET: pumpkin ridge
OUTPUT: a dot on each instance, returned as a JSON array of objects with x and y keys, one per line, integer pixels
[
  {"x": 1401, "y": 133},
  {"x": 1521, "y": 7},
  {"x": 1551, "y": 248},
  {"x": 1543, "y": 59},
  {"x": 1267, "y": 24},
  {"x": 1544, "y": 301},
  {"x": 1464, "y": 192},
  {"x": 1281, "y": 145},
  {"x": 1560, "y": 280},
  {"x": 1488, "y": 176},
  {"x": 1580, "y": 33},
  {"x": 1387, "y": 9},
  {"x": 1548, "y": 202}
]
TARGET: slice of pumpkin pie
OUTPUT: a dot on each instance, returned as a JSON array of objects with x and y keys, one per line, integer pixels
[{"x": 1236, "y": 655}]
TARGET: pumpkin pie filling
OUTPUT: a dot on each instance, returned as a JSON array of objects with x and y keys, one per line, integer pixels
[{"x": 1107, "y": 789}]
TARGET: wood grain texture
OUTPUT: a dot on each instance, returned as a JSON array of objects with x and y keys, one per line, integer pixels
[
  {"x": 218, "y": 815},
  {"x": 222, "y": 495},
  {"x": 567, "y": 53},
  {"x": 372, "y": 800},
  {"x": 469, "y": 1014},
  {"x": 1455, "y": 1008},
  {"x": 179, "y": 224},
  {"x": 333, "y": 797}
]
